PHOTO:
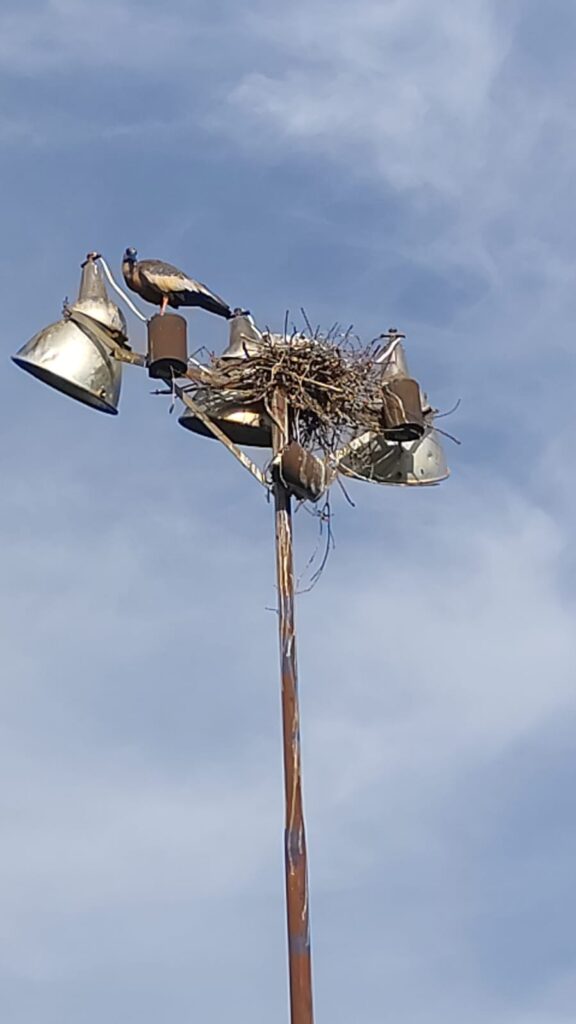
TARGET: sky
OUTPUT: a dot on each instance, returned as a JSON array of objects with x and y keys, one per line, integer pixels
[{"x": 394, "y": 163}]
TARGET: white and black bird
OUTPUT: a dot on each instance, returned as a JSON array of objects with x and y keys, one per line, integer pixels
[{"x": 165, "y": 285}]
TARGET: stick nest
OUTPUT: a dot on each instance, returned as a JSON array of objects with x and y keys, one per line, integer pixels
[{"x": 334, "y": 390}]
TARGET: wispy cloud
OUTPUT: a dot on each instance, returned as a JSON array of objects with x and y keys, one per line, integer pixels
[
  {"x": 421, "y": 668},
  {"x": 403, "y": 87},
  {"x": 428, "y": 102}
]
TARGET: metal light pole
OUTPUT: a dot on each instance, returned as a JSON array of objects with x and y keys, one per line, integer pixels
[
  {"x": 81, "y": 355},
  {"x": 295, "y": 862}
]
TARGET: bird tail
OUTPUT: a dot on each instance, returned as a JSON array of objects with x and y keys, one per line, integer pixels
[{"x": 211, "y": 303}]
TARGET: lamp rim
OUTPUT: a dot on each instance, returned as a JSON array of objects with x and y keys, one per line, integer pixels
[{"x": 66, "y": 387}]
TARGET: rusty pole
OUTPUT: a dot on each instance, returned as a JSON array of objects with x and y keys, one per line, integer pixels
[{"x": 297, "y": 908}]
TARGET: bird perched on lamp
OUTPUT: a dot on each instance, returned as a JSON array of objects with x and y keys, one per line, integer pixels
[{"x": 165, "y": 285}]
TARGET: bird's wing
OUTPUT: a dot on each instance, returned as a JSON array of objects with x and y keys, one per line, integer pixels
[
  {"x": 168, "y": 278},
  {"x": 163, "y": 276}
]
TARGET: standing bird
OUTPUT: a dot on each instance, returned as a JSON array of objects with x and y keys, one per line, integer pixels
[{"x": 165, "y": 285}]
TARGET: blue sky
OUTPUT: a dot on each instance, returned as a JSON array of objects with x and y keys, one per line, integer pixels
[{"x": 393, "y": 163}]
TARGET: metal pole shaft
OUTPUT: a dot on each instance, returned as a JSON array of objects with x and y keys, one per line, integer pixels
[{"x": 297, "y": 907}]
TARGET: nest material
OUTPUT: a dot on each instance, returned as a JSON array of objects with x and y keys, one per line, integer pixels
[{"x": 335, "y": 391}]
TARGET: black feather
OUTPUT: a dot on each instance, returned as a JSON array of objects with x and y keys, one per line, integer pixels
[{"x": 207, "y": 302}]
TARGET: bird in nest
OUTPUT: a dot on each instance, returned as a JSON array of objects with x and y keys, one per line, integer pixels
[{"x": 165, "y": 285}]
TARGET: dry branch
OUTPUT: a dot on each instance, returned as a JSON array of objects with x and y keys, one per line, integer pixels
[{"x": 335, "y": 391}]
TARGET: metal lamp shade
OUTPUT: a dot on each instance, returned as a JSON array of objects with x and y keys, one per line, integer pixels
[
  {"x": 71, "y": 358},
  {"x": 93, "y": 301},
  {"x": 243, "y": 424},
  {"x": 75, "y": 363},
  {"x": 244, "y": 339},
  {"x": 408, "y": 452},
  {"x": 395, "y": 364},
  {"x": 417, "y": 463}
]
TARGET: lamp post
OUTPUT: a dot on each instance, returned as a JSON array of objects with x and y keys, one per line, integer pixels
[
  {"x": 82, "y": 354},
  {"x": 295, "y": 857}
]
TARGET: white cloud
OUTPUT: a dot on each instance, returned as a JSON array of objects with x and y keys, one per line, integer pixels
[
  {"x": 430, "y": 101},
  {"x": 422, "y": 663},
  {"x": 403, "y": 87},
  {"x": 452, "y": 653}
]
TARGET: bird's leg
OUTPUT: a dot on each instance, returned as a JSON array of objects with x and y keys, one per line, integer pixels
[{"x": 163, "y": 305}]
